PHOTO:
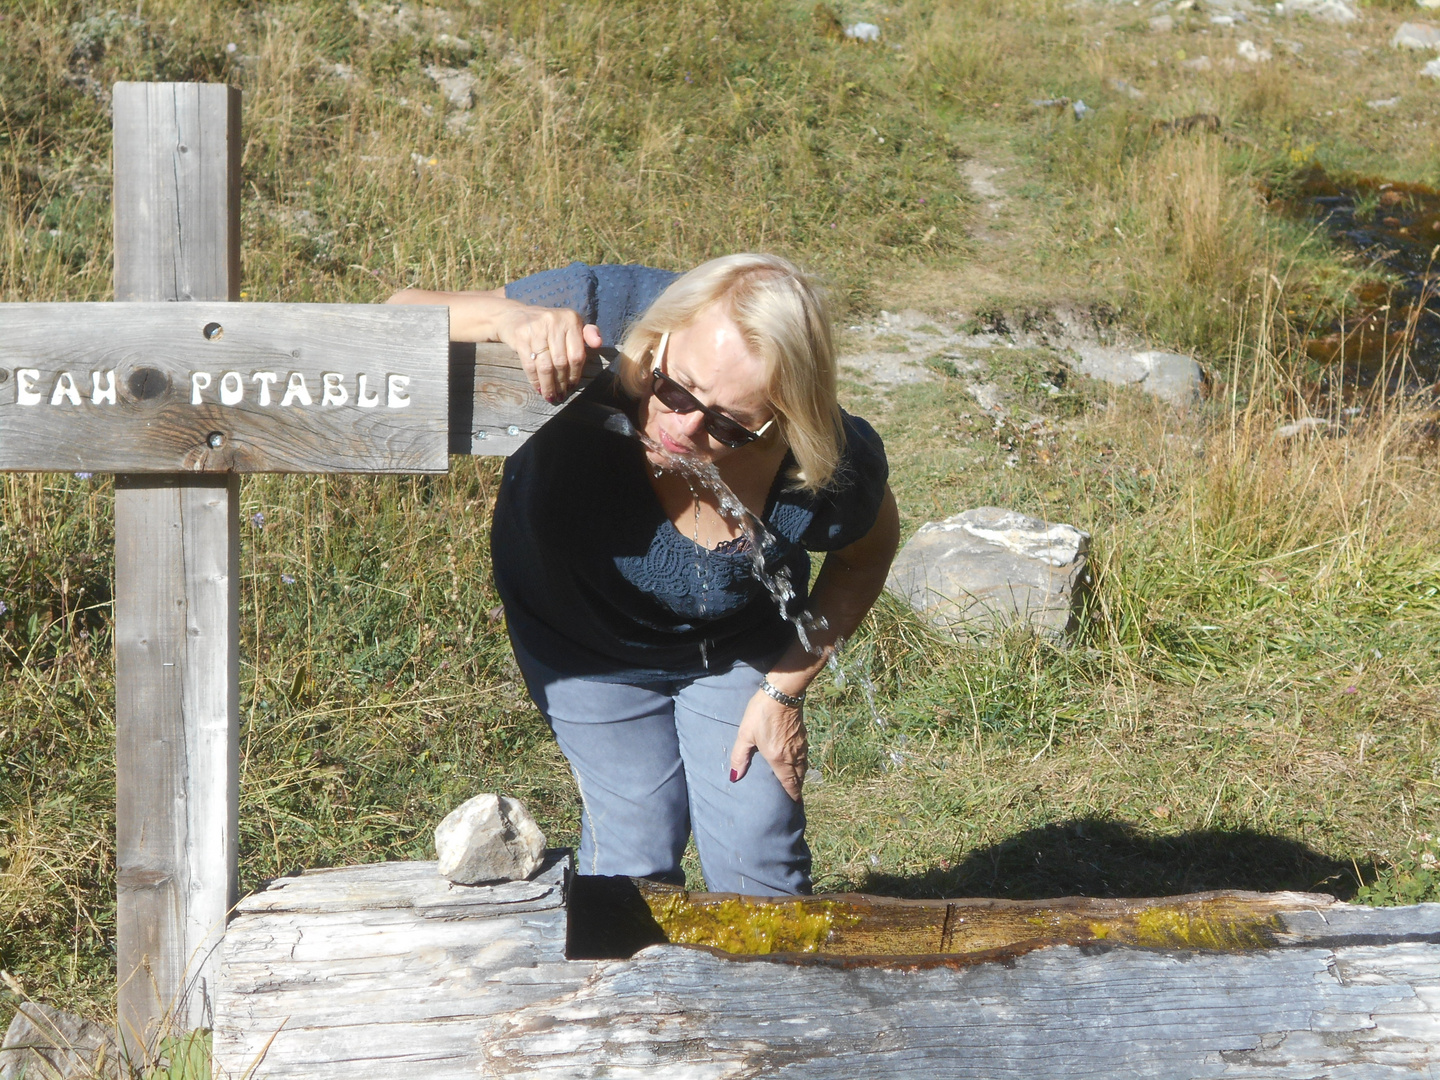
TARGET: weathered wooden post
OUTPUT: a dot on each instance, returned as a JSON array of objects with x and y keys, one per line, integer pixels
[
  {"x": 177, "y": 580},
  {"x": 177, "y": 399}
]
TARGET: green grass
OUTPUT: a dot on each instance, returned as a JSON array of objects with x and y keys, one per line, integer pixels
[{"x": 1250, "y": 702}]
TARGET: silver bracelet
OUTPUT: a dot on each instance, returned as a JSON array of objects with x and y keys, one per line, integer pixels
[{"x": 791, "y": 700}]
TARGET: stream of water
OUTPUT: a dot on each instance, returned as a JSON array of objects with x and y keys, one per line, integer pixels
[
  {"x": 1391, "y": 336},
  {"x": 703, "y": 474}
]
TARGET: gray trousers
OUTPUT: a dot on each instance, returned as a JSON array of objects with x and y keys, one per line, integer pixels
[{"x": 653, "y": 762}]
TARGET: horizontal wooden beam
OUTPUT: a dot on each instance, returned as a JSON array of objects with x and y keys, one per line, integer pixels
[
  {"x": 208, "y": 387},
  {"x": 493, "y": 408}
]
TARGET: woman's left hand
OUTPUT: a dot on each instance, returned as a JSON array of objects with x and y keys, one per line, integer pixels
[{"x": 778, "y": 732}]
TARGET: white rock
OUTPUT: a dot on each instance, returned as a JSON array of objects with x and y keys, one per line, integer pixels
[
  {"x": 1162, "y": 24},
  {"x": 1416, "y": 35},
  {"x": 988, "y": 396},
  {"x": 489, "y": 838},
  {"x": 1301, "y": 426},
  {"x": 986, "y": 569},
  {"x": 1199, "y": 63},
  {"x": 1432, "y": 69},
  {"x": 1248, "y": 50},
  {"x": 1434, "y": 5},
  {"x": 863, "y": 31},
  {"x": 1331, "y": 11},
  {"x": 1172, "y": 377},
  {"x": 457, "y": 84},
  {"x": 42, "y": 1043},
  {"x": 1384, "y": 103}
]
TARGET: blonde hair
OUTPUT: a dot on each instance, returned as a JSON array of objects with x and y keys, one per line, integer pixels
[{"x": 783, "y": 320}]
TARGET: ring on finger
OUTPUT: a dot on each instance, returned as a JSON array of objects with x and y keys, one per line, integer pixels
[{"x": 537, "y": 355}]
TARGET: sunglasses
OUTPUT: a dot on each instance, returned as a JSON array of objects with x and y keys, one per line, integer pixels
[{"x": 677, "y": 399}]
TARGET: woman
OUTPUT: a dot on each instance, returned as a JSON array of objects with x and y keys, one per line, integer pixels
[{"x": 660, "y": 661}]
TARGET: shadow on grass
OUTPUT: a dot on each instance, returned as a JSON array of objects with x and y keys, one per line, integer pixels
[{"x": 1105, "y": 858}]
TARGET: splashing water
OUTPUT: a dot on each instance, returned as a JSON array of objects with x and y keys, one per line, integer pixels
[
  {"x": 842, "y": 670},
  {"x": 757, "y": 536}
]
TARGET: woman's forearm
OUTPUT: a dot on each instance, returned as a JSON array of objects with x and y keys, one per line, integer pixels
[
  {"x": 474, "y": 315},
  {"x": 550, "y": 343}
]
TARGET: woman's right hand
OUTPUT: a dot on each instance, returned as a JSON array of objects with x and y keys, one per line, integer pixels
[{"x": 552, "y": 344}]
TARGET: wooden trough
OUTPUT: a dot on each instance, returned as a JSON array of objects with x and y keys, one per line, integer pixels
[{"x": 388, "y": 970}]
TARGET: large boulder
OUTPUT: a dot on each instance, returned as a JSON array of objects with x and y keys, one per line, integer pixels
[
  {"x": 987, "y": 569},
  {"x": 42, "y": 1043},
  {"x": 489, "y": 838}
]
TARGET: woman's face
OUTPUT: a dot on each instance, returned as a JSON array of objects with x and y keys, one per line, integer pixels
[{"x": 710, "y": 359}]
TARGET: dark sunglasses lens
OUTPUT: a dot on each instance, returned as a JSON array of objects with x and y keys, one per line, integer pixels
[
  {"x": 674, "y": 396},
  {"x": 726, "y": 431}
]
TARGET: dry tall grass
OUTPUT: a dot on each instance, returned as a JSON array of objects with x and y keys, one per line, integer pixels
[{"x": 1183, "y": 209}]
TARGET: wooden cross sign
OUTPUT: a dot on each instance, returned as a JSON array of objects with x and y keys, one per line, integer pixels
[{"x": 177, "y": 399}]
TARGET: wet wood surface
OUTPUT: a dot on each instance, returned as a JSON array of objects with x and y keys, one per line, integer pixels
[
  {"x": 371, "y": 971},
  {"x": 853, "y": 926}
]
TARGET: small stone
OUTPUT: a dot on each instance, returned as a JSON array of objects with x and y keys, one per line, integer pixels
[
  {"x": 1199, "y": 63},
  {"x": 1383, "y": 103},
  {"x": 1432, "y": 69},
  {"x": 986, "y": 569},
  {"x": 1162, "y": 24},
  {"x": 1172, "y": 377},
  {"x": 1416, "y": 35},
  {"x": 42, "y": 1043},
  {"x": 489, "y": 838},
  {"x": 1248, "y": 50},
  {"x": 1331, "y": 11},
  {"x": 862, "y": 31},
  {"x": 1303, "y": 425},
  {"x": 457, "y": 84}
]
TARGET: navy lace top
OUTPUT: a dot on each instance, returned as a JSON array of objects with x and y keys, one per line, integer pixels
[{"x": 596, "y": 580}]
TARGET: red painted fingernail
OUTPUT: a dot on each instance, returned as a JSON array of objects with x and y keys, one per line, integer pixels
[{"x": 734, "y": 776}]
